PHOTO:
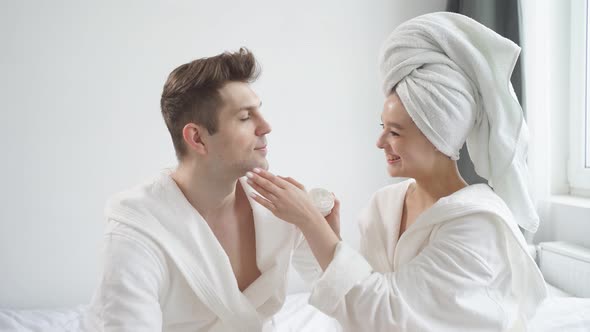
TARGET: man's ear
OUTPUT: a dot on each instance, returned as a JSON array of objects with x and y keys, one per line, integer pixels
[{"x": 193, "y": 138}]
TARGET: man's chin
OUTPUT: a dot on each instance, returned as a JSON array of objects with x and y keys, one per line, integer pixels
[{"x": 262, "y": 164}]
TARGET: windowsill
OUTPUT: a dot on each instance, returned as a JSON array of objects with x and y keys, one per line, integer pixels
[
  {"x": 570, "y": 200},
  {"x": 566, "y": 219}
]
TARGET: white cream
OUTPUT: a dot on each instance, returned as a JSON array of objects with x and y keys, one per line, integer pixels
[{"x": 322, "y": 199}]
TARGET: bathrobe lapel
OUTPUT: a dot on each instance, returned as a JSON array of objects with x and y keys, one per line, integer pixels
[
  {"x": 470, "y": 200},
  {"x": 164, "y": 214},
  {"x": 381, "y": 237}
]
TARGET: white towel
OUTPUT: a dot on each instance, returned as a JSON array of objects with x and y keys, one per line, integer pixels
[{"x": 452, "y": 74}]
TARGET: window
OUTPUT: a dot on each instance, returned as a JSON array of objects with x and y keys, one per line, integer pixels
[
  {"x": 579, "y": 150},
  {"x": 587, "y": 106}
]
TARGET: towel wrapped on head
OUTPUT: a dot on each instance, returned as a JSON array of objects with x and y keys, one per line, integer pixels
[{"x": 452, "y": 75}]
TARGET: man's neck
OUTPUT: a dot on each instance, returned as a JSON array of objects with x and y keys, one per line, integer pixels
[{"x": 210, "y": 193}]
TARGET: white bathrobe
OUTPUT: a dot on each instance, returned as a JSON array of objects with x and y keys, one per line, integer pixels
[
  {"x": 462, "y": 266},
  {"x": 164, "y": 270}
]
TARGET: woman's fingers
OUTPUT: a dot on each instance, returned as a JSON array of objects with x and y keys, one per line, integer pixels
[
  {"x": 262, "y": 191},
  {"x": 333, "y": 218},
  {"x": 267, "y": 204},
  {"x": 336, "y": 209},
  {"x": 293, "y": 182},
  {"x": 263, "y": 181},
  {"x": 336, "y": 206},
  {"x": 276, "y": 180}
]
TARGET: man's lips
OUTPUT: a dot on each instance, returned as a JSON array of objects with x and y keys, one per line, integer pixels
[{"x": 261, "y": 148}]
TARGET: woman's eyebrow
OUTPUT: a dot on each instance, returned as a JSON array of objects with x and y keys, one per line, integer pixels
[{"x": 394, "y": 125}]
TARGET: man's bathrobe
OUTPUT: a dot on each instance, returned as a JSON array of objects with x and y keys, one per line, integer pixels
[
  {"x": 164, "y": 269},
  {"x": 462, "y": 266}
]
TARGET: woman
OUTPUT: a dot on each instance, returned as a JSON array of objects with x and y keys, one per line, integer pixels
[{"x": 437, "y": 254}]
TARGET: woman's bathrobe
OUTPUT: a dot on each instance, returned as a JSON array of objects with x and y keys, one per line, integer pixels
[
  {"x": 461, "y": 266},
  {"x": 164, "y": 269}
]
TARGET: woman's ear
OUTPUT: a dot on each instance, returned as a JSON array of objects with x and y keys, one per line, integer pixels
[{"x": 193, "y": 138}]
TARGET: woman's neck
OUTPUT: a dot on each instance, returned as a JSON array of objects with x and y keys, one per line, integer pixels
[{"x": 436, "y": 185}]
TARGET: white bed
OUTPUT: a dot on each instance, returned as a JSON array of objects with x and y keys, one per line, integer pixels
[
  {"x": 562, "y": 311},
  {"x": 66, "y": 320}
]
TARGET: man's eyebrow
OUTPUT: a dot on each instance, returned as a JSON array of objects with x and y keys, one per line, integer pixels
[{"x": 250, "y": 107}]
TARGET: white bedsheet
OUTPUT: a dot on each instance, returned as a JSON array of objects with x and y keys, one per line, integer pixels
[
  {"x": 66, "y": 320},
  {"x": 557, "y": 314}
]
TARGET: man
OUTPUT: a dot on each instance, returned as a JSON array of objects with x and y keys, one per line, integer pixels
[{"x": 189, "y": 250}]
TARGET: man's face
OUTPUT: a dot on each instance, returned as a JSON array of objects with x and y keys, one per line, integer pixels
[{"x": 240, "y": 141}]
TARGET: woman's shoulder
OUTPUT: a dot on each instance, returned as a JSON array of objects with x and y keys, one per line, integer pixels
[
  {"x": 473, "y": 224},
  {"x": 478, "y": 197},
  {"x": 475, "y": 194},
  {"x": 385, "y": 203},
  {"x": 393, "y": 189},
  {"x": 474, "y": 202}
]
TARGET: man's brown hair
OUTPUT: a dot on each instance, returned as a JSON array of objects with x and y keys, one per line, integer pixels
[{"x": 191, "y": 92}]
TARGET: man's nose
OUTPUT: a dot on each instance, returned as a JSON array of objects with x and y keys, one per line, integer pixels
[{"x": 263, "y": 128}]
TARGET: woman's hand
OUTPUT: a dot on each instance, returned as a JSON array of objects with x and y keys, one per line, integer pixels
[
  {"x": 333, "y": 218},
  {"x": 284, "y": 197},
  {"x": 288, "y": 200}
]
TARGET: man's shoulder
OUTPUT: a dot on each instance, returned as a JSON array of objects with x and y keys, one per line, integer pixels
[
  {"x": 127, "y": 244},
  {"x": 142, "y": 191},
  {"x": 145, "y": 199}
]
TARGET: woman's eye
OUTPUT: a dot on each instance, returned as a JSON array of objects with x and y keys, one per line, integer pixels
[
  {"x": 245, "y": 119},
  {"x": 393, "y": 133}
]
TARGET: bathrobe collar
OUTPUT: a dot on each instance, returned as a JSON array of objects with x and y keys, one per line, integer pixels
[
  {"x": 478, "y": 198},
  {"x": 161, "y": 211}
]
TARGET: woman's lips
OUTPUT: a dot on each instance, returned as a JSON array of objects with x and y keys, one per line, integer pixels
[{"x": 393, "y": 159}]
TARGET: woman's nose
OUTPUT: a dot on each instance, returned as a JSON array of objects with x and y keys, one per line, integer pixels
[{"x": 379, "y": 142}]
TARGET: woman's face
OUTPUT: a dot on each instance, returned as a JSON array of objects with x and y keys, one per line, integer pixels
[{"x": 407, "y": 151}]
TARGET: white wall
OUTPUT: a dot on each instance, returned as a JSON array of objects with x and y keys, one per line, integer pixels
[{"x": 80, "y": 89}]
